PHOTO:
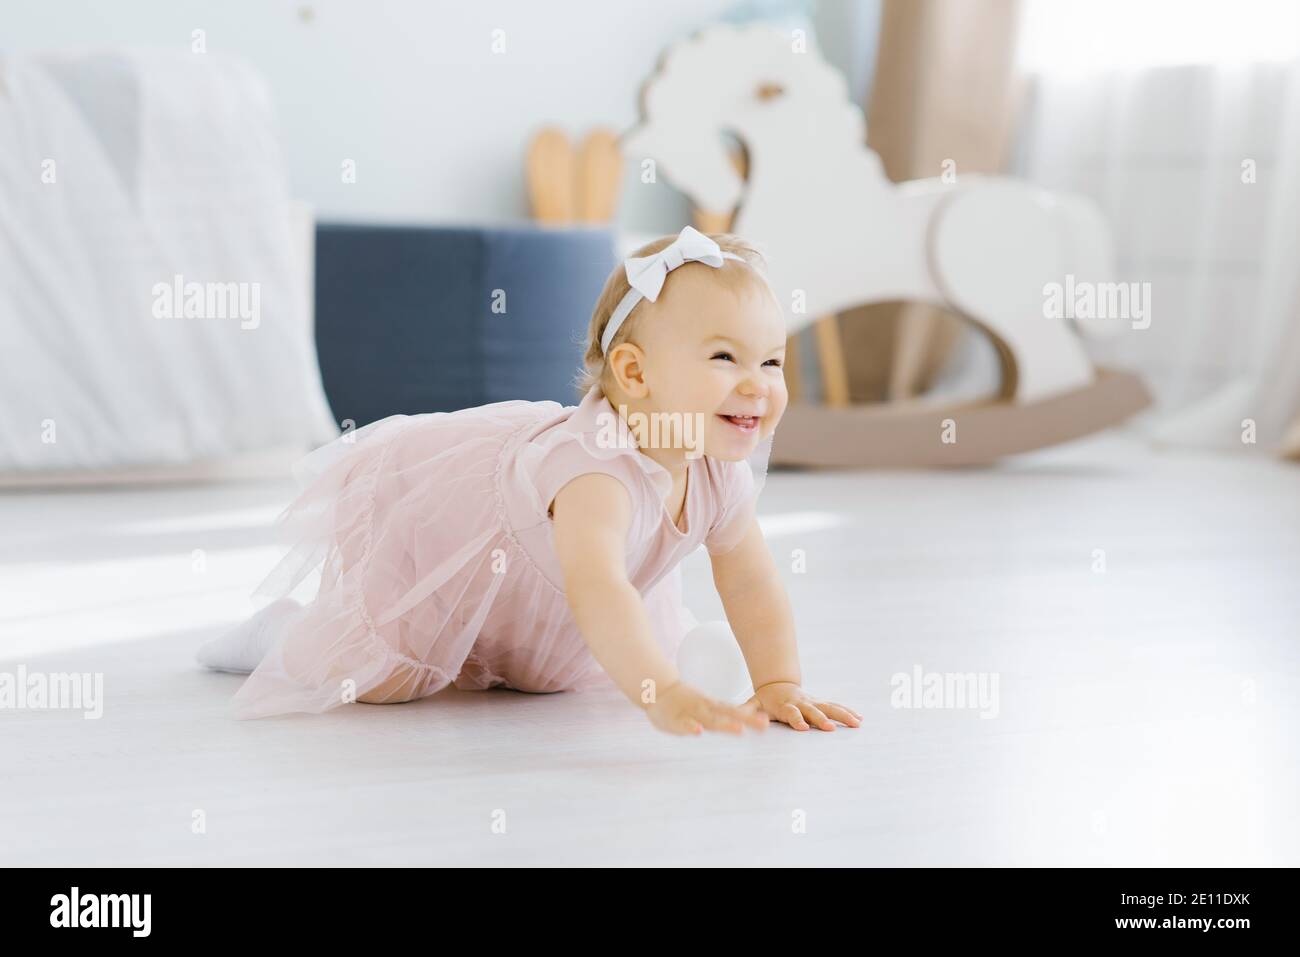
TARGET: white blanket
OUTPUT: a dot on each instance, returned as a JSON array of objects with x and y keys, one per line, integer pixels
[{"x": 125, "y": 179}]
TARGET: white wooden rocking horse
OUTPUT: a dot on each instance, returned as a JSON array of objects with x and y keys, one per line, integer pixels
[{"x": 838, "y": 234}]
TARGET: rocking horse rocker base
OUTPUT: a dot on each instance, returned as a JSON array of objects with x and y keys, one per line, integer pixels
[{"x": 921, "y": 435}]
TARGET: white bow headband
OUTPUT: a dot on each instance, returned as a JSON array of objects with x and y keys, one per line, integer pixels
[{"x": 646, "y": 275}]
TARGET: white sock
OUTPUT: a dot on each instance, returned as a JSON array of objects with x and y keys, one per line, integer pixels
[{"x": 243, "y": 647}]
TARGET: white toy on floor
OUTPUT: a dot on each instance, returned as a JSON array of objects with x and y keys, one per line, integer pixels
[{"x": 710, "y": 659}]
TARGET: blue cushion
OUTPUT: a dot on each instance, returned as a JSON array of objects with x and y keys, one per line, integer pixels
[{"x": 405, "y": 321}]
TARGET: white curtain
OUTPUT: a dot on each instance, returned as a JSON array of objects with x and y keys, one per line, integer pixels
[{"x": 1196, "y": 166}]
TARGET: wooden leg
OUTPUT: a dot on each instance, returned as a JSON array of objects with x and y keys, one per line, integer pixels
[
  {"x": 710, "y": 222},
  {"x": 793, "y": 368},
  {"x": 830, "y": 359},
  {"x": 923, "y": 338},
  {"x": 707, "y": 222}
]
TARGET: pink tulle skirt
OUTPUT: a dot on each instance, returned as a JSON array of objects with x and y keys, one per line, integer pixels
[{"x": 422, "y": 583}]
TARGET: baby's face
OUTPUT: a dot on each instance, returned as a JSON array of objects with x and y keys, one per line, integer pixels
[{"x": 720, "y": 353}]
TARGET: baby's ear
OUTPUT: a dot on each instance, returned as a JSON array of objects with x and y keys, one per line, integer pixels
[{"x": 627, "y": 365}]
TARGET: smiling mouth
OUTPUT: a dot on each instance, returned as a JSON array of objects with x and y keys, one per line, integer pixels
[{"x": 745, "y": 424}]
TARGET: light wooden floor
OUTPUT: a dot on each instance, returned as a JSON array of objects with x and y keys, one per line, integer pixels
[{"x": 1147, "y": 714}]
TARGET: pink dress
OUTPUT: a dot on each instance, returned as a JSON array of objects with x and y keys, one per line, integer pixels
[{"x": 438, "y": 561}]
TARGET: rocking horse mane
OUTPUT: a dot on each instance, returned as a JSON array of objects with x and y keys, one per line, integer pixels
[
  {"x": 734, "y": 81},
  {"x": 679, "y": 67}
]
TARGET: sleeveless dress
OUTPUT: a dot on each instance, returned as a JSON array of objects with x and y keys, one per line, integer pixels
[{"x": 437, "y": 556}]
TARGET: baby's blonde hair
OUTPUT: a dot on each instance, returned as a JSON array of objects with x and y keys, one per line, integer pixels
[{"x": 594, "y": 366}]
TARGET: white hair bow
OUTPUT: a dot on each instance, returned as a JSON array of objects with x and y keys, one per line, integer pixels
[{"x": 646, "y": 274}]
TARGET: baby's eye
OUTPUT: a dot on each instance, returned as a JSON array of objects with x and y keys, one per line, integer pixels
[
  {"x": 773, "y": 362},
  {"x": 722, "y": 355}
]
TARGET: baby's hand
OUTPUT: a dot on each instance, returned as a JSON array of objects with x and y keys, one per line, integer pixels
[
  {"x": 681, "y": 709},
  {"x": 786, "y": 701}
]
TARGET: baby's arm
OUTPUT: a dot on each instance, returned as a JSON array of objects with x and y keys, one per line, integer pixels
[
  {"x": 592, "y": 514},
  {"x": 760, "y": 615}
]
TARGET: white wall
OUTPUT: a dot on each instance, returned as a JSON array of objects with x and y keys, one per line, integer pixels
[{"x": 435, "y": 121}]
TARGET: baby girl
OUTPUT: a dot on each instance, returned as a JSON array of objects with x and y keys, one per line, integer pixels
[{"x": 535, "y": 546}]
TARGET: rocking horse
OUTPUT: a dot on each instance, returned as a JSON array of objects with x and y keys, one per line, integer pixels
[{"x": 838, "y": 234}]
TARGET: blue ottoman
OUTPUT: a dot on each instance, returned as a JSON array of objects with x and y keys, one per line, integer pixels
[{"x": 405, "y": 320}]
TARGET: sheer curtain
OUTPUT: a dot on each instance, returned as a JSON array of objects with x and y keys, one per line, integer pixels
[{"x": 1183, "y": 122}]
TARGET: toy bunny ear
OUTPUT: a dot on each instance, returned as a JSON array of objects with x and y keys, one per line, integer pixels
[
  {"x": 550, "y": 169},
  {"x": 600, "y": 173}
]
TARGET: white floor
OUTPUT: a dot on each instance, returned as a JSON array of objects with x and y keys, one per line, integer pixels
[{"x": 1147, "y": 713}]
